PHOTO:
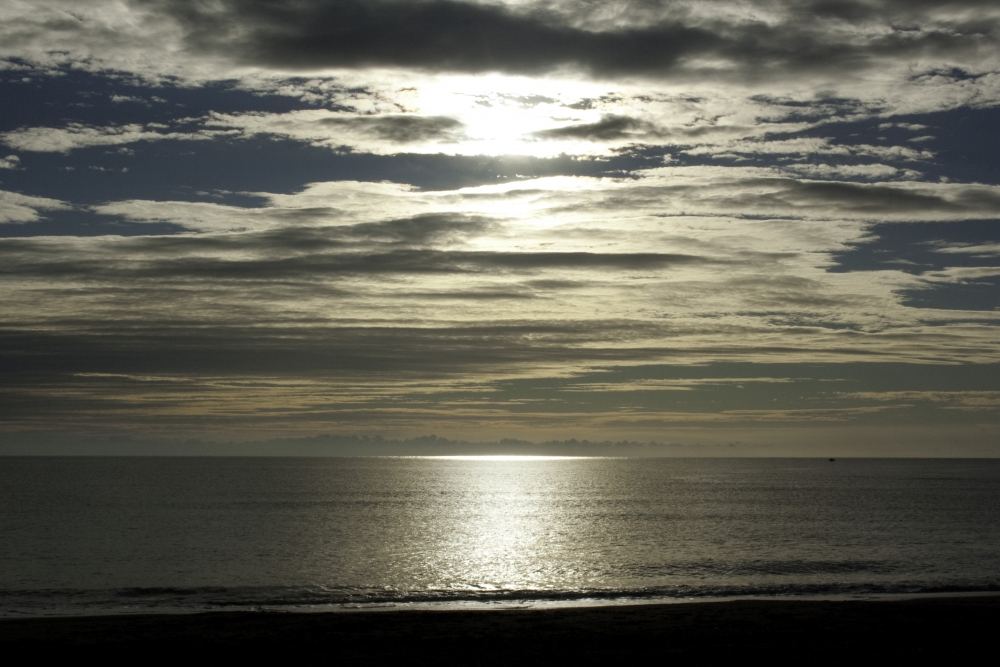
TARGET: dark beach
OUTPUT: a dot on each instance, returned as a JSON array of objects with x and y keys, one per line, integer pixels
[{"x": 814, "y": 631}]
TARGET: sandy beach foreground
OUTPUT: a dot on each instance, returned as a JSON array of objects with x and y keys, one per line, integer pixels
[{"x": 816, "y": 631}]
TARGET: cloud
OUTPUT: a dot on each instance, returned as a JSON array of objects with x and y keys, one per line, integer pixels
[
  {"x": 320, "y": 261},
  {"x": 399, "y": 129},
  {"x": 959, "y": 274},
  {"x": 616, "y": 129},
  {"x": 960, "y": 400},
  {"x": 533, "y": 38},
  {"x": 977, "y": 250},
  {"x": 20, "y": 208},
  {"x": 208, "y": 217},
  {"x": 440, "y": 35},
  {"x": 400, "y": 323},
  {"x": 809, "y": 146},
  {"x": 661, "y": 192},
  {"x": 610, "y": 127},
  {"x": 454, "y": 120},
  {"x": 77, "y": 135},
  {"x": 898, "y": 59},
  {"x": 851, "y": 198},
  {"x": 376, "y": 133},
  {"x": 913, "y": 127},
  {"x": 874, "y": 172},
  {"x": 118, "y": 99},
  {"x": 337, "y": 202},
  {"x": 677, "y": 384},
  {"x": 703, "y": 253},
  {"x": 769, "y": 192},
  {"x": 357, "y": 303}
]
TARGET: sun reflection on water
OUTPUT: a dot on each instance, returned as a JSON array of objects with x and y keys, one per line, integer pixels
[
  {"x": 499, "y": 523},
  {"x": 504, "y": 457}
]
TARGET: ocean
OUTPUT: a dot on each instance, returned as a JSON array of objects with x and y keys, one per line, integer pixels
[{"x": 145, "y": 535}]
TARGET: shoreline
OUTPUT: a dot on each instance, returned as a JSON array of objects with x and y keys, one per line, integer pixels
[
  {"x": 586, "y": 603},
  {"x": 462, "y": 605},
  {"x": 952, "y": 625}
]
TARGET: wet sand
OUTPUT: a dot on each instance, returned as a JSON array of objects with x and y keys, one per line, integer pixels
[{"x": 813, "y": 631}]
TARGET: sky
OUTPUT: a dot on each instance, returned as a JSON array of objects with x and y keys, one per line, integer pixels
[{"x": 764, "y": 227}]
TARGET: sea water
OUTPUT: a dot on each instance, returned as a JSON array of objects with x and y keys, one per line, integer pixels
[{"x": 139, "y": 535}]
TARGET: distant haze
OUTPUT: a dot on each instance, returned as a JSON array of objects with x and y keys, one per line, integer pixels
[{"x": 878, "y": 443}]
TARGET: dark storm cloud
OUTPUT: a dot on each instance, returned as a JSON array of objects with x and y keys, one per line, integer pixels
[
  {"x": 443, "y": 35},
  {"x": 400, "y": 129}
]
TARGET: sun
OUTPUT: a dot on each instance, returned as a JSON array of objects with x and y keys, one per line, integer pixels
[{"x": 504, "y": 115}]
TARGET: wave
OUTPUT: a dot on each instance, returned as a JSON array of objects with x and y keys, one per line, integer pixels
[
  {"x": 790, "y": 567},
  {"x": 70, "y": 602}
]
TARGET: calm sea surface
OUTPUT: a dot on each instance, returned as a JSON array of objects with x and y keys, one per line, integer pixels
[{"x": 99, "y": 535}]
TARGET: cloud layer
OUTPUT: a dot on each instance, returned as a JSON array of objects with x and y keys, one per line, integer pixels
[
  {"x": 546, "y": 218},
  {"x": 732, "y": 40}
]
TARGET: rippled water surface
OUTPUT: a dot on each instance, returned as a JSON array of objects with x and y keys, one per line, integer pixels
[{"x": 87, "y": 535}]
